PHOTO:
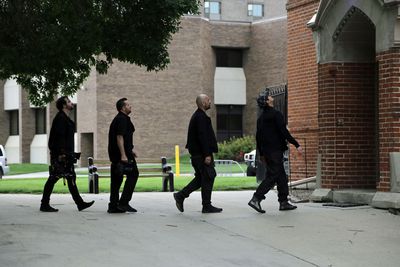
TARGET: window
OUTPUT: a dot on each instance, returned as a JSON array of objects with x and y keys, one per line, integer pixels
[
  {"x": 14, "y": 122},
  {"x": 229, "y": 122},
  {"x": 255, "y": 10},
  {"x": 211, "y": 9},
  {"x": 229, "y": 57},
  {"x": 40, "y": 120}
]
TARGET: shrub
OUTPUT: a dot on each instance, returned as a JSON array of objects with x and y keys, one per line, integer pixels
[{"x": 235, "y": 148}]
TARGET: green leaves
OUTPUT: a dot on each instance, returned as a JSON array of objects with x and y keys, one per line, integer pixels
[{"x": 50, "y": 46}]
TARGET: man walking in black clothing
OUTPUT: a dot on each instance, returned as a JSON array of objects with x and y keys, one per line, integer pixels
[
  {"x": 122, "y": 157},
  {"x": 271, "y": 140},
  {"x": 62, "y": 156},
  {"x": 201, "y": 143}
]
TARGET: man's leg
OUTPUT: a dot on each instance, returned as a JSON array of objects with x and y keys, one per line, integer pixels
[
  {"x": 73, "y": 189},
  {"x": 47, "y": 190},
  {"x": 129, "y": 187},
  {"x": 192, "y": 186},
  {"x": 115, "y": 184}
]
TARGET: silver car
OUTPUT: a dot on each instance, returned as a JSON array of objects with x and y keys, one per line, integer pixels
[{"x": 4, "y": 168}]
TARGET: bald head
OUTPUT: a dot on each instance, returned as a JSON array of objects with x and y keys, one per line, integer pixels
[{"x": 203, "y": 102}]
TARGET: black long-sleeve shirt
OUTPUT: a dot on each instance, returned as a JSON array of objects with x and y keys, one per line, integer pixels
[
  {"x": 61, "y": 140},
  {"x": 201, "y": 137},
  {"x": 272, "y": 133}
]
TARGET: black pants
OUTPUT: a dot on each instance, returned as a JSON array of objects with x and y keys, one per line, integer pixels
[
  {"x": 275, "y": 175},
  {"x": 67, "y": 172},
  {"x": 116, "y": 181},
  {"x": 204, "y": 177}
]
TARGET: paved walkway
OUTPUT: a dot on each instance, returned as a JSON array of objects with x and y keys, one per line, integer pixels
[{"x": 159, "y": 235}]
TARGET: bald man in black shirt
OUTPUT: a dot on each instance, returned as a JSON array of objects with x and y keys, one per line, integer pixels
[{"x": 201, "y": 143}]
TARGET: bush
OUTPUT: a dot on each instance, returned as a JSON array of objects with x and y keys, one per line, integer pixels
[{"x": 235, "y": 148}]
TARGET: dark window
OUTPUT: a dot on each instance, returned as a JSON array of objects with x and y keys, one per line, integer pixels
[
  {"x": 40, "y": 120},
  {"x": 229, "y": 122},
  {"x": 14, "y": 122},
  {"x": 229, "y": 57}
]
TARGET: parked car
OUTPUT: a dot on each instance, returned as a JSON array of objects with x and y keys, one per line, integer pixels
[
  {"x": 250, "y": 159},
  {"x": 4, "y": 168},
  {"x": 252, "y": 164}
]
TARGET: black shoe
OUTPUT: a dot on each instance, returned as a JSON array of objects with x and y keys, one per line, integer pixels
[
  {"x": 85, "y": 205},
  {"x": 211, "y": 209},
  {"x": 179, "y": 202},
  {"x": 255, "y": 204},
  {"x": 114, "y": 210},
  {"x": 126, "y": 208},
  {"x": 285, "y": 205},
  {"x": 47, "y": 208}
]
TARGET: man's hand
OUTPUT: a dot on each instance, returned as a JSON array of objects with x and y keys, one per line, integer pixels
[
  {"x": 124, "y": 159},
  {"x": 300, "y": 150},
  {"x": 134, "y": 153},
  {"x": 207, "y": 160}
]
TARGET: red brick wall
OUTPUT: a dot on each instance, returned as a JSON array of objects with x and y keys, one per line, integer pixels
[
  {"x": 302, "y": 87},
  {"x": 389, "y": 112},
  {"x": 347, "y": 139}
]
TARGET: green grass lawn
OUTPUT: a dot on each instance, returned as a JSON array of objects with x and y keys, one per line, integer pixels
[
  {"x": 22, "y": 168},
  {"x": 35, "y": 186}
]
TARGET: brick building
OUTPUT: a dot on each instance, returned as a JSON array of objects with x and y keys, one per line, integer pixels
[
  {"x": 344, "y": 90},
  {"x": 231, "y": 51}
]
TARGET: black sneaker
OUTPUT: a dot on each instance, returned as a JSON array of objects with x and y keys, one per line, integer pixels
[
  {"x": 112, "y": 208},
  {"x": 255, "y": 204},
  {"x": 85, "y": 205},
  {"x": 126, "y": 208},
  {"x": 47, "y": 208},
  {"x": 285, "y": 205},
  {"x": 211, "y": 209},
  {"x": 179, "y": 202}
]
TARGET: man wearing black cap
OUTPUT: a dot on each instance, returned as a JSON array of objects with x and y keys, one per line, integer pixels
[{"x": 271, "y": 140}]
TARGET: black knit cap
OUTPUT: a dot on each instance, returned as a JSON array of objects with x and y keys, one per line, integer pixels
[{"x": 262, "y": 98}]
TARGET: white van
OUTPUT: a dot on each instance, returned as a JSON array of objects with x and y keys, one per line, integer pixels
[{"x": 4, "y": 168}]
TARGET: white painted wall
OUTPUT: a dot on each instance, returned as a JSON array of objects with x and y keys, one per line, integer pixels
[
  {"x": 12, "y": 95},
  {"x": 229, "y": 86},
  {"x": 12, "y": 149},
  {"x": 39, "y": 149}
]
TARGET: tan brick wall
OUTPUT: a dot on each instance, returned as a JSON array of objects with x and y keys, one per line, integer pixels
[
  {"x": 302, "y": 72},
  {"x": 162, "y": 101},
  {"x": 230, "y": 34},
  {"x": 389, "y": 112},
  {"x": 264, "y": 65},
  {"x": 26, "y": 127}
]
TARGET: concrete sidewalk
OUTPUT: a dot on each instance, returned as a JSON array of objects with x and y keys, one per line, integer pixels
[{"x": 159, "y": 235}]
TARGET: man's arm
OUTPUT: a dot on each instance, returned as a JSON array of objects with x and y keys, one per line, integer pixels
[
  {"x": 120, "y": 143},
  {"x": 284, "y": 131}
]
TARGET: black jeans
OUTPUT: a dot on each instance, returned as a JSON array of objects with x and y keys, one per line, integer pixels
[
  {"x": 275, "y": 175},
  {"x": 204, "y": 177},
  {"x": 116, "y": 181},
  {"x": 58, "y": 170}
]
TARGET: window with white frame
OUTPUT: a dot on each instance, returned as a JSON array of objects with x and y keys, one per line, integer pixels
[
  {"x": 255, "y": 10},
  {"x": 212, "y": 8}
]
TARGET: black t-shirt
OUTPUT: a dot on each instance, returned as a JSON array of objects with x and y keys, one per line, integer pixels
[
  {"x": 61, "y": 140},
  {"x": 121, "y": 125}
]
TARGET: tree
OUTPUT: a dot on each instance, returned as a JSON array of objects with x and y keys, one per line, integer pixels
[{"x": 50, "y": 46}]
